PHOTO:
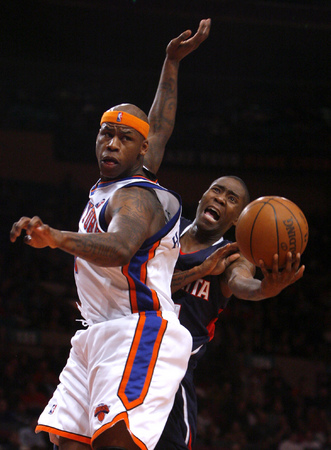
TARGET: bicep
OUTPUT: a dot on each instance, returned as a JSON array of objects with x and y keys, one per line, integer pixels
[{"x": 131, "y": 213}]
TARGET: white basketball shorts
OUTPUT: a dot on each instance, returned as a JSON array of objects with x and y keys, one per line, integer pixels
[{"x": 125, "y": 369}]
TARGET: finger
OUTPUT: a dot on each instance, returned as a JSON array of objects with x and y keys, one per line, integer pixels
[
  {"x": 289, "y": 261},
  {"x": 233, "y": 247},
  {"x": 220, "y": 250},
  {"x": 35, "y": 222},
  {"x": 23, "y": 222},
  {"x": 201, "y": 34},
  {"x": 263, "y": 268},
  {"x": 14, "y": 232},
  {"x": 182, "y": 37},
  {"x": 197, "y": 39},
  {"x": 17, "y": 228},
  {"x": 297, "y": 262},
  {"x": 204, "y": 28},
  {"x": 226, "y": 250},
  {"x": 301, "y": 271},
  {"x": 230, "y": 259},
  {"x": 275, "y": 267},
  {"x": 223, "y": 249}
]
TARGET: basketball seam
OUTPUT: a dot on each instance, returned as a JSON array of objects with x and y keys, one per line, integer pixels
[{"x": 251, "y": 235}]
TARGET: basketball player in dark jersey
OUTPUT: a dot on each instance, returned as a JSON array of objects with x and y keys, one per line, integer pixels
[{"x": 208, "y": 270}]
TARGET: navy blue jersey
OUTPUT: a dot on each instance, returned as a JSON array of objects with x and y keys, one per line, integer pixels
[{"x": 200, "y": 303}]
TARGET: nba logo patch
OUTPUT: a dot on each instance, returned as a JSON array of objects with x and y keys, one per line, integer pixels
[
  {"x": 53, "y": 408},
  {"x": 100, "y": 411},
  {"x": 119, "y": 117}
]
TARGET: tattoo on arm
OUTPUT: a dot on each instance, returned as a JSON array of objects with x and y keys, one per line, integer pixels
[
  {"x": 164, "y": 116},
  {"x": 177, "y": 280},
  {"x": 136, "y": 215},
  {"x": 167, "y": 105},
  {"x": 181, "y": 279},
  {"x": 98, "y": 248}
]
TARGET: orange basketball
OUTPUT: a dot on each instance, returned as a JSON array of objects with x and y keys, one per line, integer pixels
[{"x": 271, "y": 225}]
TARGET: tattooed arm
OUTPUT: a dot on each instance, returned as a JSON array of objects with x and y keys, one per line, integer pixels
[
  {"x": 134, "y": 214},
  {"x": 163, "y": 111}
]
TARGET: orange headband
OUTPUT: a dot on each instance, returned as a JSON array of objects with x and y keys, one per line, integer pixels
[{"x": 124, "y": 118}]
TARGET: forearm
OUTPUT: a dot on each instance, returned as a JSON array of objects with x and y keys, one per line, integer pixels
[
  {"x": 163, "y": 110},
  {"x": 101, "y": 249},
  {"x": 162, "y": 114},
  {"x": 181, "y": 279},
  {"x": 243, "y": 284},
  {"x": 239, "y": 281},
  {"x": 246, "y": 288}
]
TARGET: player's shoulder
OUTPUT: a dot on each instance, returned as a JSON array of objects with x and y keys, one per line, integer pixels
[
  {"x": 184, "y": 223},
  {"x": 136, "y": 192}
]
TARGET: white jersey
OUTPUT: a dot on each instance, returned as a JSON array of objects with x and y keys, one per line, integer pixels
[
  {"x": 107, "y": 293},
  {"x": 128, "y": 363}
]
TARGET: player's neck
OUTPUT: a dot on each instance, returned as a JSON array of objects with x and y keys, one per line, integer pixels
[
  {"x": 127, "y": 174},
  {"x": 196, "y": 239}
]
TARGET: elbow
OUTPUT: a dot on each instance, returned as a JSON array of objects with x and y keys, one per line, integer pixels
[
  {"x": 115, "y": 259},
  {"x": 125, "y": 259},
  {"x": 122, "y": 258}
]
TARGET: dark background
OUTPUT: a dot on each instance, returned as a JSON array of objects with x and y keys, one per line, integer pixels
[{"x": 254, "y": 101}]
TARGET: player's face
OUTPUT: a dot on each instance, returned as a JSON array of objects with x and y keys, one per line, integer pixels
[
  {"x": 221, "y": 205},
  {"x": 119, "y": 150}
]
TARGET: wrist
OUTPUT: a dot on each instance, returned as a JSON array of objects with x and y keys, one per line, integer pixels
[
  {"x": 174, "y": 62},
  {"x": 57, "y": 238},
  {"x": 199, "y": 271}
]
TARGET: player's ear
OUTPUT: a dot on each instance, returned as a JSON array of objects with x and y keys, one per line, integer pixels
[{"x": 144, "y": 147}]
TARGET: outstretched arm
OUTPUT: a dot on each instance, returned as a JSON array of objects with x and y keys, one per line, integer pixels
[
  {"x": 135, "y": 215},
  {"x": 163, "y": 111},
  {"x": 238, "y": 279}
]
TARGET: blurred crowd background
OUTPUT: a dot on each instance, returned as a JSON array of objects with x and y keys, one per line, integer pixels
[{"x": 254, "y": 101}]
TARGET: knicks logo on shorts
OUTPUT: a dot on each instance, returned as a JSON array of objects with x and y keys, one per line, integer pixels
[{"x": 100, "y": 411}]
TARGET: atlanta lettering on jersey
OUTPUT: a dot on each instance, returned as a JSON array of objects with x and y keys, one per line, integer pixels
[{"x": 199, "y": 288}]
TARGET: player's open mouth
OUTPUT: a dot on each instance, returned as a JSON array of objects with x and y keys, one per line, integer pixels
[
  {"x": 109, "y": 161},
  {"x": 212, "y": 213}
]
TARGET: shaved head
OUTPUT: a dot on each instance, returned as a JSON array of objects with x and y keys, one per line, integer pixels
[{"x": 131, "y": 109}]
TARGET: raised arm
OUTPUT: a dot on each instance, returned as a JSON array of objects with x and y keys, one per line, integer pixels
[
  {"x": 163, "y": 111},
  {"x": 134, "y": 215}
]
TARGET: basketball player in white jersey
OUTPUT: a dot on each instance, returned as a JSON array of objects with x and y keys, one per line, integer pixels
[{"x": 118, "y": 386}]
